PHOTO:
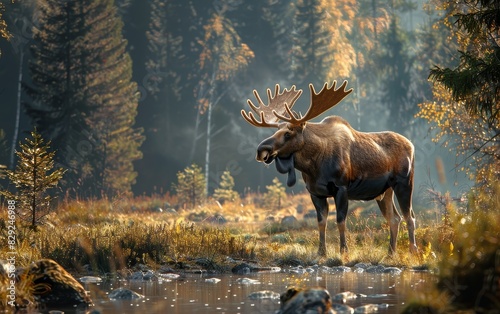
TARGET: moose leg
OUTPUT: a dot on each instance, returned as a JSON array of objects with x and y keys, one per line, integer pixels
[
  {"x": 392, "y": 216},
  {"x": 321, "y": 205},
  {"x": 403, "y": 193},
  {"x": 341, "y": 204}
]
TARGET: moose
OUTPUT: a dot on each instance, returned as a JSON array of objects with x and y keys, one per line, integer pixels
[{"x": 335, "y": 160}]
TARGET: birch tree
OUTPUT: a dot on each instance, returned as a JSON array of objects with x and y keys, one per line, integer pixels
[{"x": 223, "y": 55}]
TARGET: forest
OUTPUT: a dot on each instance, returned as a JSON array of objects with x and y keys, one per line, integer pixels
[
  {"x": 151, "y": 88},
  {"x": 122, "y": 142}
]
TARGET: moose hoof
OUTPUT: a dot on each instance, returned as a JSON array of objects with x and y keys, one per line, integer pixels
[{"x": 413, "y": 249}]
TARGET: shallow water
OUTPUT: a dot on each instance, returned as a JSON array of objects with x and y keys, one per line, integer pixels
[{"x": 192, "y": 294}]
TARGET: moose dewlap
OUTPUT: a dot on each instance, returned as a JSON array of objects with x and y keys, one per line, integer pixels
[{"x": 335, "y": 160}]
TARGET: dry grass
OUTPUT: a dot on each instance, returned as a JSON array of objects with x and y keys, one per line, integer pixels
[{"x": 112, "y": 235}]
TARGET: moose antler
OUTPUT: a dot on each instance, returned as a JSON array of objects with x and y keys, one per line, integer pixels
[
  {"x": 320, "y": 102},
  {"x": 283, "y": 103},
  {"x": 277, "y": 105}
]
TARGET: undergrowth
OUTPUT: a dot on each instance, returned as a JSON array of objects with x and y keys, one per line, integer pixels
[{"x": 103, "y": 236}]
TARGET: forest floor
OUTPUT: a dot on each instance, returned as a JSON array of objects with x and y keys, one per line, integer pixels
[
  {"x": 148, "y": 231},
  {"x": 118, "y": 236}
]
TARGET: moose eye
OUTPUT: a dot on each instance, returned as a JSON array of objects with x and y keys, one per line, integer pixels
[{"x": 287, "y": 135}]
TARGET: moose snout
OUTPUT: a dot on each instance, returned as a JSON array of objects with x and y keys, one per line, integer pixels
[{"x": 264, "y": 153}]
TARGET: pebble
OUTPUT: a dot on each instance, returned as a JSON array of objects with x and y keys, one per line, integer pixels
[
  {"x": 375, "y": 269},
  {"x": 169, "y": 276},
  {"x": 90, "y": 279},
  {"x": 368, "y": 308},
  {"x": 247, "y": 281},
  {"x": 212, "y": 280},
  {"x": 342, "y": 308},
  {"x": 124, "y": 294},
  {"x": 393, "y": 271},
  {"x": 265, "y": 294},
  {"x": 347, "y": 295},
  {"x": 142, "y": 275}
]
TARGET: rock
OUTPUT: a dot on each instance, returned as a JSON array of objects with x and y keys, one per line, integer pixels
[
  {"x": 58, "y": 289},
  {"x": 375, "y": 269},
  {"x": 242, "y": 269},
  {"x": 335, "y": 269},
  {"x": 347, "y": 295},
  {"x": 300, "y": 209},
  {"x": 362, "y": 265},
  {"x": 377, "y": 295},
  {"x": 212, "y": 280},
  {"x": 168, "y": 276},
  {"x": 124, "y": 294},
  {"x": 312, "y": 214},
  {"x": 392, "y": 271},
  {"x": 342, "y": 309},
  {"x": 341, "y": 269},
  {"x": 289, "y": 222},
  {"x": 216, "y": 219},
  {"x": 165, "y": 269},
  {"x": 247, "y": 281},
  {"x": 367, "y": 308},
  {"x": 269, "y": 218},
  {"x": 297, "y": 270},
  {"x": 142, "y": 275},
  {"x": 264, "y": 294},
  {"x": 90, "y": 279},
  {"x": 311, "y": 300}
]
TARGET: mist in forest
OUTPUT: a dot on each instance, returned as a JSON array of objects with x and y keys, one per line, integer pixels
[{"x": 197, "y": 61}]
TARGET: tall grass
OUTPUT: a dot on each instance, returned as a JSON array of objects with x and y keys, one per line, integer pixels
[{"x": 469, "y": 266}]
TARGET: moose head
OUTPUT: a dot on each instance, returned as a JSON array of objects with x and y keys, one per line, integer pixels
[{"x": 289, "y": 138}]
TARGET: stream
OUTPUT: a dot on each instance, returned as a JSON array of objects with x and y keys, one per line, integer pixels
[{"x": 195, "y": 293}]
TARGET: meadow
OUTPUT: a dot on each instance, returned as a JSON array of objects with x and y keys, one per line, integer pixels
[{"x": 102, "y": 237}]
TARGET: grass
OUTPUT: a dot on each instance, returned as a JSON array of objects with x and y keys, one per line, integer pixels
[{"x": 109, "y": 236}]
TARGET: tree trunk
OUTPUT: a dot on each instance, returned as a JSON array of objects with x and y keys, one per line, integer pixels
[
  {"x": 207, "y": 152},
  {"x": 18, "y": 110}
]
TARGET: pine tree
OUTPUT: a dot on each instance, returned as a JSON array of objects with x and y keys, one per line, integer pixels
[
  {"x": 476, "y": 80},
  {"x": 4, "y": 32},
  {"x": 162, "y": 80},
  {"x": 396, "y": 68},
  {"x": 190, "y": 187},
  {"x": 280, "y": 15},
  {"x": 275, "y": 195},
  {"x": 466, "y": 108},
  {"x": 310, "y": 51},
  {"x": 322, "y": 51},
  {"x": 82, "y": 94},
  {"x": 226, "y": 191},
  {"x": 33, "y": 176}
]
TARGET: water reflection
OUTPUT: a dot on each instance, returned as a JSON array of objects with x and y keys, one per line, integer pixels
[{"x": 192, "y": 293}]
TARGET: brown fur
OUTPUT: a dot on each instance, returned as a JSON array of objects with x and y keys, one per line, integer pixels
[{"x": 340, "y": 162}]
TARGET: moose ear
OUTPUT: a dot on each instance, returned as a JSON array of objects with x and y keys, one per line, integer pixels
[{"x": 285, "y": 165}]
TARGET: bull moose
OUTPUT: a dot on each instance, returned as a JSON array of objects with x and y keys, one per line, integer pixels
[{"x": 336, "y": 160}]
